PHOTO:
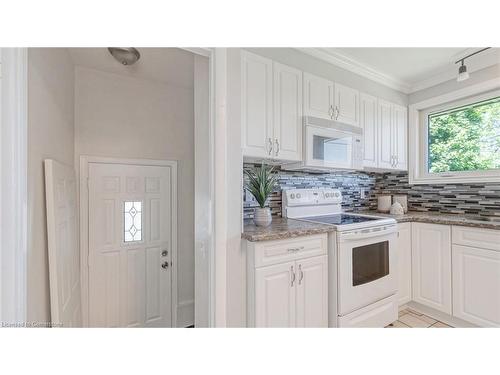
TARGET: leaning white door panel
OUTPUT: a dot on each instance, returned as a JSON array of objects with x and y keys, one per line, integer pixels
[
  {"x": 64, "y": 253},
  {"x": 130, "y": 238}
]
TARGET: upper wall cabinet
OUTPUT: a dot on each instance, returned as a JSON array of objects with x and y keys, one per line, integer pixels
[
  {"x": 346, "y": 105},
  {"x": 385, "y": 134},
  {"x": 368, "y": 121},
  {"x": 326, "y": 99},
  {"x": 256, "y": 105},
  {"x": 271, "y": 109},
  {"x": 287, "y": 112},
  {"x": 318, "y": 97}
]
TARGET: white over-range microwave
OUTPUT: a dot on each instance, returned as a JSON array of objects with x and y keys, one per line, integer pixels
[{"x": 330, "y": 145}]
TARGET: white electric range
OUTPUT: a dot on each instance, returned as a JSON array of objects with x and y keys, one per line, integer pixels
[{"x": 362, "y": 274}]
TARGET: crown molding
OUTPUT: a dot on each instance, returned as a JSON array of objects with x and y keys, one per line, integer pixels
[
  {"x": 354, "y": 66},
  {"x": 449, "y": 72}
]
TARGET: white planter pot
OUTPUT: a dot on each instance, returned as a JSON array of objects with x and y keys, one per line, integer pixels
[{"x": 262, "y": 216}]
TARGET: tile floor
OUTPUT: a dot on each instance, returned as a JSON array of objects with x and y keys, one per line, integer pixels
[{"x": 409, "y": 318}]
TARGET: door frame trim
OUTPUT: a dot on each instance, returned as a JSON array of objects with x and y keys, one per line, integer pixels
[
  {"x": 85, "y": 161},
  {"x": 14, "y": 185}
]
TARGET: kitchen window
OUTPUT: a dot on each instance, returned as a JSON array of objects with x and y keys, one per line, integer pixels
[{"x": 459, "y": 141}]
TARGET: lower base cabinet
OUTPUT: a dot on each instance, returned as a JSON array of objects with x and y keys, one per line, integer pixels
[
  {"x": 293, "y": 292},
  {"x": 476, "y": 276},
  {"x": 404, "y": 263},
  {"x": 431, "y": 265}
]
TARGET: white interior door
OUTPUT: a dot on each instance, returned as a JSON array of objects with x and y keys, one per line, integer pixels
[
  {"x": 131, "y": 226},
  {"x": 64, "y": 254}
]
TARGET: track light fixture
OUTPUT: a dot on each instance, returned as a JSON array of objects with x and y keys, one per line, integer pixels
[{"x": 462, "y": 70}]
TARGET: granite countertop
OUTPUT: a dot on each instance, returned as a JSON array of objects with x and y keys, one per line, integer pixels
[
  {"x": 282, "y": 228},
  {"x": 436, "y": 218}
]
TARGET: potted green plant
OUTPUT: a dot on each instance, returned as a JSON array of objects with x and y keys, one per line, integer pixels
[{"x": 260, "y": 184}]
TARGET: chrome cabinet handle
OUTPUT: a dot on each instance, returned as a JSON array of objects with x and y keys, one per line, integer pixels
[
  {"x": 270, "y": 146},
  {"x": 293, "y": 275},
  {"x": 164, "y": 265},
  {"x": 295, "y": 249},
  {"x": 301, "y": 274},
  {"x": 331, "y": 111},
  {"x": 277, "y": 147},
  {"x": 337, "y": 112},
  {"x": 396, "y": 160}
]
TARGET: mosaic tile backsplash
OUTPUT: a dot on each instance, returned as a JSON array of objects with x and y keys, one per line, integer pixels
[{"x": 447, "y": 198}]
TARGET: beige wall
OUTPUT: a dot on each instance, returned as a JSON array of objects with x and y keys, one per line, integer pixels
[
  {"x": 127, "y": 117},
  {"x": 50, "y": 135}
]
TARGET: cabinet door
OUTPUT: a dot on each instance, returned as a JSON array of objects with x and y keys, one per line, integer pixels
[
  {"x": 385, "y": 149},
  {"x": 346, "y": 105},
  {"x": 256, "y": 105},
  {"x": 476, "y": 285},
  {"x": 399, "y": 137},
  {"x": 431, "y": 265},
  {"x": 312, "y": 292},
  {"x": 275, "y": 295},
  {"x": 368, "y": 121},
  {"x": 318, "y": 96},
  {"x": 404, "y": 262},
  {"x": 287, "y": 113}
]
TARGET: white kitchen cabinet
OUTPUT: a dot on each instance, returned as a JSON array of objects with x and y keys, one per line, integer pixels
[
  {"x": 476, "y": 275},
  {"x": 312, "y": 292},
  {"x": 271, "y": 109},
  {"x": 275, "y": 295},
  {"x": 333, "y": 101},
  {"x": 256, "y": 105},
  {"x": 399, "y": 136},
  {"x": 288, "y": 121},
  {"x": 286, "y": 286},
  {"x": 431, "y": 265},
  {"x": 318, "y": 96},
  {"x": 346, "y": 106},
  {"x": 368, "y": 121},
  {"x": 392, "y": 136},
  {"x": 404, "y": 263},
  {"x": 385, "y": 136}
]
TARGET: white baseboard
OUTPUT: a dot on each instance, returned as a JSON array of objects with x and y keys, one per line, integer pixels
[{"x": 185, "y": 314}]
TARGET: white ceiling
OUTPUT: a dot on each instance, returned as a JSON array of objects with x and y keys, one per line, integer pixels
[
  {"x": 406, "y": 69},
  {"x": 167, "y": 65}
]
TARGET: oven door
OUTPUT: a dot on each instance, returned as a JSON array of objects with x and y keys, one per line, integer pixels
[
  {"x": 328, "y": 148},
  {"x": 366, "y": 266}
]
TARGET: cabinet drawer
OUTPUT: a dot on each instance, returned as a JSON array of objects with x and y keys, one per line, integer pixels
[
  {"x": 476, "y": 237},
  {"x": 279, "y": 251},
  {"x": 379, "y": 314}
]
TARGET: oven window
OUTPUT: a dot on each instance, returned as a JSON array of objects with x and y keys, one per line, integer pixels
[{"x": 370, "y": 262}]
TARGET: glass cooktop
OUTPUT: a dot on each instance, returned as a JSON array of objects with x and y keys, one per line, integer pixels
[{"x": 340, "y": 219}]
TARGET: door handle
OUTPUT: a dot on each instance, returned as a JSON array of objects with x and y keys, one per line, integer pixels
[
  {"x": 293, "y": 274},
  {"x": 277, "y": 147},
  {"x": 331, "y": 111},
  {"x": 164, "y": 265},
  {"x": 337, "y": 112},
  {"x": 301, "y": 274},
  {"x": 164, "y": 253}
]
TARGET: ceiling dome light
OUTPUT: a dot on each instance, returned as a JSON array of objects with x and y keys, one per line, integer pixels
[{"x": 462, "y": 73}]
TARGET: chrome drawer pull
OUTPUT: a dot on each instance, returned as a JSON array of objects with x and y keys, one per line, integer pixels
[
  {"x": 295, "y": 249},
  {"x": 293, "y": 274}
]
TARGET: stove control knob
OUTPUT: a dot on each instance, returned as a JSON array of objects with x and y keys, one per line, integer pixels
[
  {"x": 298, "y": 195},
  {"x": 292, "y": 196}
]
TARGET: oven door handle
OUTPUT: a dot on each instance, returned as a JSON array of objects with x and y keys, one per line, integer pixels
[{"x": 367, "y": 233}]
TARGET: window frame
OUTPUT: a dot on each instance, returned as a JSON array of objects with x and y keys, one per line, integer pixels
[{"x": 419, "y": 147}]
